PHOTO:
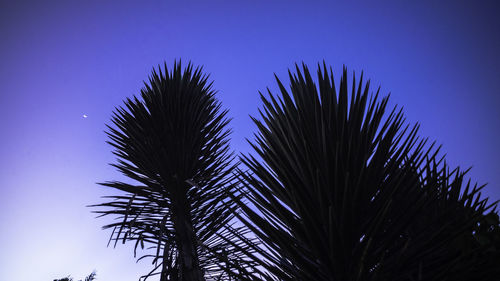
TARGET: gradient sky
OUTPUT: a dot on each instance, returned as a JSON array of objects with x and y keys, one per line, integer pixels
[{"x": 60, "y": 60}]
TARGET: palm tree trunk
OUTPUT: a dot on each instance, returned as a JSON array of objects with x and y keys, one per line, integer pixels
[
  {"x": 167, "y": 272},
  {"x": 186, "y": 243}
]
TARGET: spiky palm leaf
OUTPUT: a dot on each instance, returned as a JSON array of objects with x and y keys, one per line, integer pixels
[
  {"x": 173, "y": 143},
  {"x": 342, "y": 193}
]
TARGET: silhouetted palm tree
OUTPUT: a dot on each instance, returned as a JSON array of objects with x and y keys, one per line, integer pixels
[
  {"x": 340, "y": 192},
  {"x": 172, "y": 142}
]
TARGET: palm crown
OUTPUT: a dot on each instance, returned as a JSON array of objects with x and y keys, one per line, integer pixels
[
  {"x": 172, "y": 142},
  {"x": 340, "y": 192}
]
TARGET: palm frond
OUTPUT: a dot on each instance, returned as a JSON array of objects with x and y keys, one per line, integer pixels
[{"x": 342, "y": 191}]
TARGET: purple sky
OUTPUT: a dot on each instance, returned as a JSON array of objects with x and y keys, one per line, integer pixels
[{"x": 62, "y": 60}]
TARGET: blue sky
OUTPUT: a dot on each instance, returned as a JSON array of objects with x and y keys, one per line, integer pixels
[{"x": 60, "y": 60}]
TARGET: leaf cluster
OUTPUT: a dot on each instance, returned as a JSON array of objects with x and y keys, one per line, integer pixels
[
  {"x": 338, "y": 192},
  {"x": 172, "y": 142}
]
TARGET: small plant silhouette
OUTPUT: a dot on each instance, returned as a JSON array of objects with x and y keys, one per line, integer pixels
[{"x": 90, "y": 277}]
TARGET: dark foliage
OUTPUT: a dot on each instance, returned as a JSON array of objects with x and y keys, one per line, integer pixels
[
  {"x": 91, "y": 277},
  {"x": 341, "y": 191},
  {"x": 338, "y": 190},
  {"x": 173, "y": 143}
]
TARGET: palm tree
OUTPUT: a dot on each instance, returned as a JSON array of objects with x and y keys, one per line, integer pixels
[
  {"x": 172, "y": 143},
  {"x": 339, "y": 191}
]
